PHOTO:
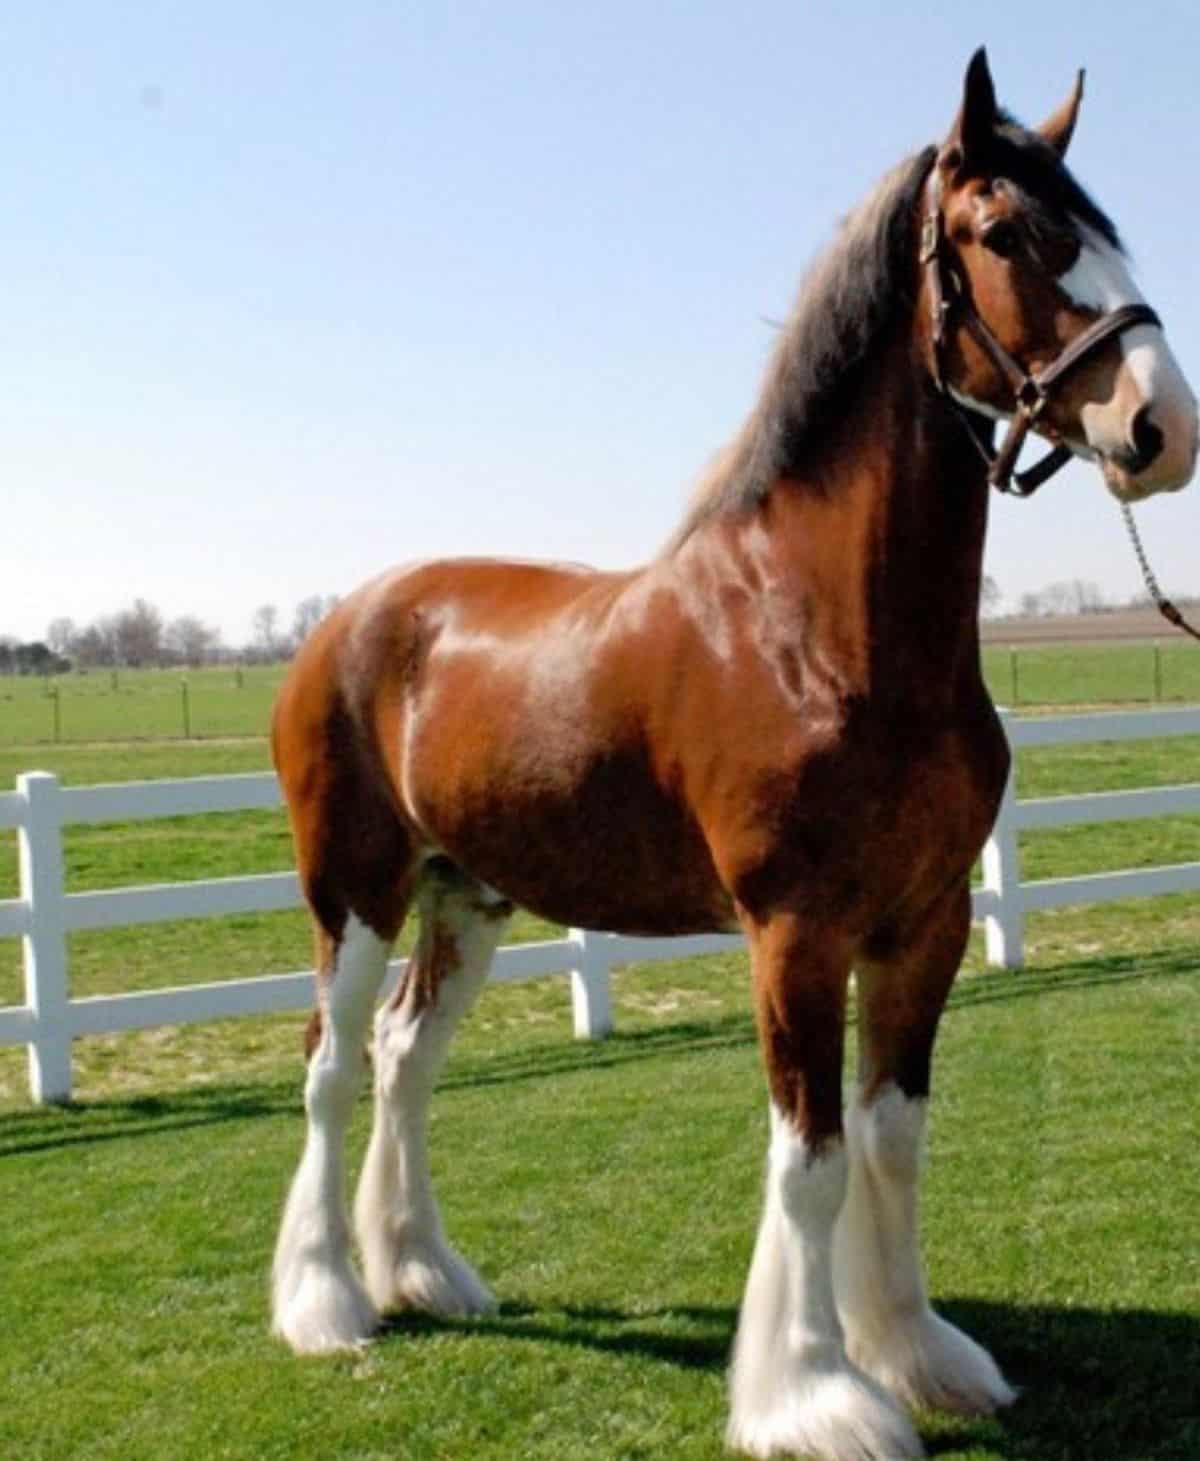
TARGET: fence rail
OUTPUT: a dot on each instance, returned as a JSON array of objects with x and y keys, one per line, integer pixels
[{"x": 45, "y": 912}]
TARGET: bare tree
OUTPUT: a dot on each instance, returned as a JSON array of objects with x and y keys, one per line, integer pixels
[
  {"x": 137, "y": 634},
  {"x": 94, "y": 645},
  {"x": 60, "y": 636},
  {"x": 190, "y": 640},
  {"x": 266, "y": 639},
  {"x": 989, "y": 596},
  {"x": 309, "y": 613}
]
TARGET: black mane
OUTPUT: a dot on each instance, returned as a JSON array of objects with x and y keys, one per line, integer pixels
[{"x": 855, "y": 292}]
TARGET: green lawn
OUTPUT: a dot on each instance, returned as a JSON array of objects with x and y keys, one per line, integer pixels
[
  {"x": 104, "y": 705},
  {"x": 1060, "y": 1205},
  {"x": 609, "y": 1193},
  {"x": 1093, "y": 674}
]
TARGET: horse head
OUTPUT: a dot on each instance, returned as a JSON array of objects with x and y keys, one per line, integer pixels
[{"x": 1032, "y": 313}]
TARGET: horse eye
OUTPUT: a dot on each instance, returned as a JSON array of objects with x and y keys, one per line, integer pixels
[{"x": 1001, "y": 238}]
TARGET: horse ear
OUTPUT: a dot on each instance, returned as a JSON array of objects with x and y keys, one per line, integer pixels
[
  {"x": 1057, "y": 129},
  {"x": 977, "y": 116}
]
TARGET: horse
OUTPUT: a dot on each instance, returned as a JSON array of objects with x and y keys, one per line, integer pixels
[{"x": 777, "y": 724}]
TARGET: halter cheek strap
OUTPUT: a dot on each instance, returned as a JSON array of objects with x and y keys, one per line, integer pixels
[{"x": 949, "y": 296}]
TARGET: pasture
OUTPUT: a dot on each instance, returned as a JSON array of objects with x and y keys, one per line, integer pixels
[
  {"x": 1059, "y": 1208},
  {"x": 228, "y": 701}
]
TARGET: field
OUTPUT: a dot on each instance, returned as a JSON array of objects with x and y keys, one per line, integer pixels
[
  {"x": 122, "y": 705},
  {"x": 1020, "y": 666},
  {"x": 608, "y": 1192}
]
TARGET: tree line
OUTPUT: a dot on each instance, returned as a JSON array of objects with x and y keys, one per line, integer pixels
[{"x": 139, "y": 637}]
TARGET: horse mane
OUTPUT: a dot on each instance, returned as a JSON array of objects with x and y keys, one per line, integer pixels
[{"x": 849, "y": 299}]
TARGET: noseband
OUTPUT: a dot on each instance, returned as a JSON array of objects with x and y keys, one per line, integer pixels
[{"x": 950, "y": 299}]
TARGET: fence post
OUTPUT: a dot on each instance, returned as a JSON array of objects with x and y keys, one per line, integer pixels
[
  {"x": 1004, "y": 925},
  {"x": 591, "y": 994},
  {"x": 40, "y": 857}
]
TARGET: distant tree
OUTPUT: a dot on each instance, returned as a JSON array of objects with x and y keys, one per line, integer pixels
[
  {"x": 190, "y": 641},
  {"x": 989, "y": 596},
  {"x": 36, "y": 658},
  {"x": 60, "y": 636},
  {"x": 8, "y": 663},
  {"x": 93, "y": 646},
  {"x": 137, "y": 635},
  {"x": 309, "y": 613},
  {"x": 266, "y": 637}
]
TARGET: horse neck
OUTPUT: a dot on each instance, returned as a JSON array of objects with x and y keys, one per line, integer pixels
[{"x": 873, "y": 554}]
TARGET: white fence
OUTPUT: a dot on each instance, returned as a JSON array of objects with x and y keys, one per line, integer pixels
[{"x": 45, "y": 913}]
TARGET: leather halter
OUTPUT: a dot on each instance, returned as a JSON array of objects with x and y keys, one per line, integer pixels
[{"x": 949, "y": 296}]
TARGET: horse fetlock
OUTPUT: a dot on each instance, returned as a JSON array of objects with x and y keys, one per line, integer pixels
[
  {"x": 320, "y": 1306},
  {"x": 427, "y": 1275},
  {"x": 928, "y": 1363},
  {"x": 837, "y": 1415}
]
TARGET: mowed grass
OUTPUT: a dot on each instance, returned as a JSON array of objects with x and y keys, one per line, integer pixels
[
  {"x": 609, "y": 1192},
  {"x": 222, "y": 701},
  {"x": 157, "y": 956},
  {"x": 1085, "y": 674},
  {"x": 107, "y": 705}
]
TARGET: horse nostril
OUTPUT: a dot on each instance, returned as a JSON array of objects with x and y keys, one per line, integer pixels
[{"x": 1147, "y": 441}]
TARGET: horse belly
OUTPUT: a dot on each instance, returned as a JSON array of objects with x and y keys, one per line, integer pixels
[{"x": 583, "y": 837}]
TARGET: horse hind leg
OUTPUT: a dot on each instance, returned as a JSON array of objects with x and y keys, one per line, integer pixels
[
  {"x": 892, "y": 1331},
  {"x": 319, "y": 1304},
  {"x": 407, "y": 1261}
]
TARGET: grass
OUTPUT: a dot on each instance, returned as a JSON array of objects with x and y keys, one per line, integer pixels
[
  {"x": 230, "y": 701},
  {"x": 1091, "y": 674},
  {"x": 135, "y": 1281},
  {"x": 123, "y": 704},
  {"x": 609, "y": 1192}
]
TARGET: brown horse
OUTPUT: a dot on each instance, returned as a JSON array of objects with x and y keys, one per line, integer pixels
[{"x": 778, "y": 724}]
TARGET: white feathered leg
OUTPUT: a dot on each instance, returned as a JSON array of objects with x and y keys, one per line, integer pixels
[
  {"x": 407, "y": 1261},
  {"x": 793, "y": 1390},
  {"x": 891, "y": 1331},
  {"x": 318, "y": 1302}
]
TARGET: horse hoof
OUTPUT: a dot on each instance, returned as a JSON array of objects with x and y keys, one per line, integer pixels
[
  {"x": 932, "y": 1365},
  {"x": 430, "y": 1279},
  {"x": 323, "y": 1311},
  {"x": 840, "y": 1416}
]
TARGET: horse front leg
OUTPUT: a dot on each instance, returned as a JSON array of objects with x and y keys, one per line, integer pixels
[
  {"x": 793, "y": 1388},
  {"x": 892, "y": 1332}
]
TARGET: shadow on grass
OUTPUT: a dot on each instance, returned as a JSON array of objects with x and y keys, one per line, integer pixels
[
  {"x": 1098, "y": 1385},
  {"x": 44, "y": 1128},
  {"x": 1000, "y": 987},
  {"x": 37, "y": 1129},
  {"x": 1095, "y": 1385}
]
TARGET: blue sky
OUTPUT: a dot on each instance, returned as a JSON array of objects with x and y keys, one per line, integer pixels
[{"x": 294, "y": 293}]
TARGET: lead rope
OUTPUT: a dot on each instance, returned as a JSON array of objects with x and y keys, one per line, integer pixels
[{"x": 1163, "y": 604}]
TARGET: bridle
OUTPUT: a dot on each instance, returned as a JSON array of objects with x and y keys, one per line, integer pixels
[{"x": 950, "y": 299}]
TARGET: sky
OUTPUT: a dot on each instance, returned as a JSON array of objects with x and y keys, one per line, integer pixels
[{"x": 294, "y": 293}]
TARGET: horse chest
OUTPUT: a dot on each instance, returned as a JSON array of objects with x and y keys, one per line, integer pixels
[{"x": 871, "y": 823}]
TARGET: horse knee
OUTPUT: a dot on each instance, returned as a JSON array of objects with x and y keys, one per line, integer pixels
[
  {"x": 334, "y": 1079},
  {"x": 811, "y": 1182},
  {"x": 889, "y": 1132}
]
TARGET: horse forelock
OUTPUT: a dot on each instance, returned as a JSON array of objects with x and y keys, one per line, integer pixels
[
  {"x": 1051, "y": 193},
  {"x": 854, "y": 292}
]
